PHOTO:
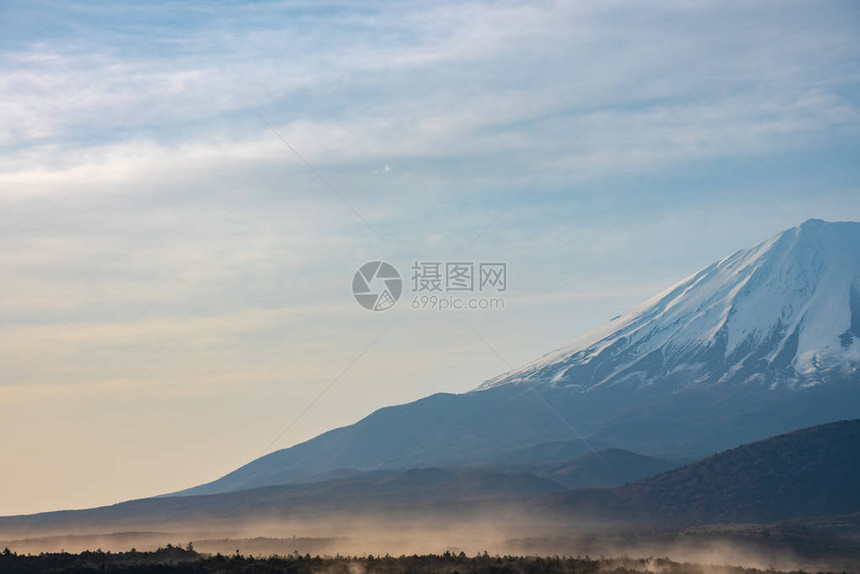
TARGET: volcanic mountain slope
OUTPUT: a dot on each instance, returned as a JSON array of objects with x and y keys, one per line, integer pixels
[
  {"x": 803, "y": 474},
  {"x": 381, "y": 494},
  {"x": 764, "y": 341}
]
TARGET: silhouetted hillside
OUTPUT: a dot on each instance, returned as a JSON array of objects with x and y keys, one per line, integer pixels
[{"x": 810, "y": 472}]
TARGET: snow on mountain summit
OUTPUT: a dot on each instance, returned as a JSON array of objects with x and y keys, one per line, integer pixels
[{"x": 784, "y": 312}]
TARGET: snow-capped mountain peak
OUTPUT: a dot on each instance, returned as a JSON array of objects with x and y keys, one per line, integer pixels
[{"x": 784, "y": 312}]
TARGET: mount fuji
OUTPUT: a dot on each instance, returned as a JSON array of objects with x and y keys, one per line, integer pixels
[
  {"x": 783, "y": 313},
  {"x": 762, "y": 342}
]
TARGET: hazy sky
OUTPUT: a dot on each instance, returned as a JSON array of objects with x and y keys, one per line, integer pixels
[{"x": 176, "y": 283}]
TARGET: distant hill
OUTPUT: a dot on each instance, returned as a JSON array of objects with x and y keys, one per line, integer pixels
[
  {"x": 570, "y": 464},
  {"x": 810, "y": 472},
  {"x": 551, "y": 452},
  {"x": 426, "y": 484},
  {"x": 610, "y": 467}
]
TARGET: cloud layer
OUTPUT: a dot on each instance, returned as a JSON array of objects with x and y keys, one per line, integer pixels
[{"x": 166, "y": 258}]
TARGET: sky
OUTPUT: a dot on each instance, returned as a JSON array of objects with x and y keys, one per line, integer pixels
[{"x": 187, "y": 190}]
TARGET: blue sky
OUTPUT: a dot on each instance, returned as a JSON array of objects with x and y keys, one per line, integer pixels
[{"x": 176, "y": 282}]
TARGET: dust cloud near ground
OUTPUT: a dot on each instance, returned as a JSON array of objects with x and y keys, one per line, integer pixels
[{"x": 783, "y": 547}]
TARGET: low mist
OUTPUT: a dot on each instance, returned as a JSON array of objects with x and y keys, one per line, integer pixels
[{"x": 504, "y": 533}]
